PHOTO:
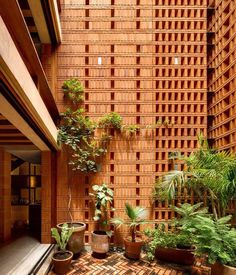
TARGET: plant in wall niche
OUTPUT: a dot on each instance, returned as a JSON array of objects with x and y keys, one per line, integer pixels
[
  {"x": 103, "y": 198},
  {"x": 111, "y": 120},
  {"x": 74, "y": 90},
  {"x": 167, "y": 123},
  {"x": 131, "y": 129}
]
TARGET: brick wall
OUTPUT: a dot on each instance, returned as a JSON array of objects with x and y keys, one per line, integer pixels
[
  {"x": 153, "y": 55},
  {"x": 221, "y": 74}
]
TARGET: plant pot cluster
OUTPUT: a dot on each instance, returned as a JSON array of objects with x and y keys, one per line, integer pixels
[{"x": 214, "y": 240}]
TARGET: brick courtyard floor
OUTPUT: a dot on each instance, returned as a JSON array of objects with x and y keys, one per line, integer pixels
[{"x": 117, "y": 263}]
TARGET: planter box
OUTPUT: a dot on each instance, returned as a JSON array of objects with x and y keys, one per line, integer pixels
[
  {"x": 175, "y": 255},
  {"x": 219, "y": 269}
]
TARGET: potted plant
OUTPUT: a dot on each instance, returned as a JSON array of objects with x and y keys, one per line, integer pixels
[
  {"x": 215, "y": 239},
  {"x": 169, "y": 246},
  {"x": 76, "y": 241},
  {"x": 103, "y": 198},
  {"x": 62, "y": 258},
  {"x": 175, "y": 246},
  {"x": 137, "y": 216}
]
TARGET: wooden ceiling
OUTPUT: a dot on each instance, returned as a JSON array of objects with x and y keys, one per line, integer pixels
[
  {"x": 30, "y": 23},
  {"x": 10, "y": 135}
]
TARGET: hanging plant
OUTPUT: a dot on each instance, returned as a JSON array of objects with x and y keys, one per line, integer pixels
[
  {"x": 111, "y": 120},
  {"x": 131, "y": 130},
  {"x": 74, "y": 90}
]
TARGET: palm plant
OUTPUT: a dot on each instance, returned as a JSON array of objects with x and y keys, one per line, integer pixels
[
  {"x": 207, "y": 171},
  {"x": 136, "y": 215}
]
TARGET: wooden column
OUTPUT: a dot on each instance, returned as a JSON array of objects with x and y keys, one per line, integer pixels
[
  {"x": 5, "y": 195},
  {"x": 48, "y": 195}
]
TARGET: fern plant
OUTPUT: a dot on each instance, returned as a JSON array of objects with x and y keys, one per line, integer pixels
[
  {"x": 214, "y": 238},
  {"x": 137, "y": 216},
  {"x": 63, "y": 237}
]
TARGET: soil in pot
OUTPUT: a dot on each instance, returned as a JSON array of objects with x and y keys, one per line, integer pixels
[
  {"x": 76, "y": 241},
  {"x": 133, "y": 249},
  {"x": 180, "y": 256},
  {"x": 219, "y": 269},
  {"x": 99, "y": 244},
  {"x": 61, "y": 261}
]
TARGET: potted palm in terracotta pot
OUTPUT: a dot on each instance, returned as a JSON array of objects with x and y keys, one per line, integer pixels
[
  {"x": 103, "y": 197},
  {"x": 136, "y": 216},
  {"x": 62, "y": 258}
]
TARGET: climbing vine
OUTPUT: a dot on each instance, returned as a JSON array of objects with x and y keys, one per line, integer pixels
[{"x": 78, "y": 132}]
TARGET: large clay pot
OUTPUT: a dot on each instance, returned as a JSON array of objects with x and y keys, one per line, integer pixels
[
  {"x": 61, "y": 261},
  {"x": 133, "y": 249},
  {"x": 219, "y": 269},
  {"x": 175, "y": 255},
  {"x": 76, "y": 241},
  {"x": 100, "y": 242}
]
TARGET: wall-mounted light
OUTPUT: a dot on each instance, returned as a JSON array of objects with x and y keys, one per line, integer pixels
[
  {"x": 99, "y": 60},
  {"x": 176, "y": 60},
  {"x": 33, "y": 181}
]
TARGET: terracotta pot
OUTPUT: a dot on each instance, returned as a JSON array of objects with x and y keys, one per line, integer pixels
[
  {"x": 61, "y": 261},
  {"x": 219, "y": 269},
  {"x": 133, "y": 249},
  {"x": 100, "y": 242},
  {"x": 76, "y": 241},
  {"x": 175, "y": 255}
]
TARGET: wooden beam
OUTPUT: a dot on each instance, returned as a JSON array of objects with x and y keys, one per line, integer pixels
[
  {"x": 13, "y": 18},
  {"x": 40, "y": 21},
  {"x": 23, "y": 86},
  {"x": 56, "y": 19},
  {"x": 27, "y": 13},
  {"x": 20, "y": 123}
]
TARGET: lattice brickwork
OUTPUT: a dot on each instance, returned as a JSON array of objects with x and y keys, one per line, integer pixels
[
  {"x": 222, "y": 68},
  {"x": 145, "y": 59}
]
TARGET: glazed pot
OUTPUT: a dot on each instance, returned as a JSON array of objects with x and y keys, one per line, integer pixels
[
  {"x": 100, "y": 242},
  {"x": 180, "y": 256},
  {"x": 219, "y": 269},
  {"x": 61, "y": 261},
  {"x": 133, "y": 249},
  {"x": 76, "y": 241}
]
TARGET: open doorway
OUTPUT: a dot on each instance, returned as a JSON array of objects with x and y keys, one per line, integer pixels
[{"x": 25, "y": 199}]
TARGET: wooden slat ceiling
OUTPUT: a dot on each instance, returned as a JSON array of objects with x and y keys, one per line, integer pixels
[
  {"x": 30, "y": 23},
  {"x": 10, "y": 135}
]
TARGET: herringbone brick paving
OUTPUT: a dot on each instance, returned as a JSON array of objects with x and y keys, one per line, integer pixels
[{"x": 117, "y": 263}]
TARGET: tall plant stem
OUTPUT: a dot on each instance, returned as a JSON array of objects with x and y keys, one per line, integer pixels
[
  {"x": 69, "y": 202},
  {"x": 133, "y": 234},
  {"x": 69, "y": 195},
  {"x": 213, "y": 206}
]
